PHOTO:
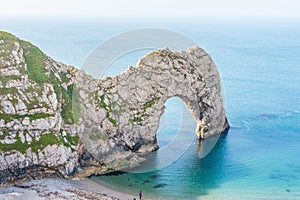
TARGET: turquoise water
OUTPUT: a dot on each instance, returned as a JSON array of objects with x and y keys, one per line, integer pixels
[{"x": 259, "y": 63}]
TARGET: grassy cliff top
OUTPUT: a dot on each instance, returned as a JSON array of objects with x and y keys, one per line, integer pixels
[
  {"x": 7, "y": 36},
  {"x": 34, "y": 57},
  {"x": 19, "y": 59}
]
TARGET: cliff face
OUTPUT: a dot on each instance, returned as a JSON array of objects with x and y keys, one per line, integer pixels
[
  {"x": 56, "y": 119},
  {"x": 35, "y": 112}
]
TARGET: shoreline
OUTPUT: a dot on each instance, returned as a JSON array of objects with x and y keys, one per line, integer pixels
[
  {"x": 62, "y": 189},
  {"x": 110, "y": 191}
]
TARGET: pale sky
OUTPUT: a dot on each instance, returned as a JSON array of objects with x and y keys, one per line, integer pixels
[{"x": 150, "y": 8}]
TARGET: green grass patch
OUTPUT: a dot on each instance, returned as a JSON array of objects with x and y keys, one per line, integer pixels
[
  {"x": 64, "y": 77},
  {"x": 56, "y": 85},
  {"x": 9, "y": 117},
  {"x": 35, "y": 145},
  {"x": 68, "y": 140},
  {"x": 34, "y": 103},
  {"x": 102, "y": 103},
  {"x": 22, "y": 70},
  {"x": 35, "y": 60},
  {"x": 67, "y": 113},
  {"x": 44, "y": 140},
  {"x": 5, "y": 79},
  {"x": 8, "y": 45},
  {"x": 69, "y": 98},
  {"x": 14, "y": 101},
  {"x": 114, "y": 122},
  {"x": 72, "y": 139},
  {"x": 71, "y": 105},
  {"x": 150, "y": 103},
  {"x": 7, "y": 36},
  {"x": 12, "y": 90},
  {"x": 34, "y": 57},
  {"x": 108, "y": 108}
]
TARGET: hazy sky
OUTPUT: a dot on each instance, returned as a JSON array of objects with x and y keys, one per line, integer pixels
[{"x": 171, "y": 8}]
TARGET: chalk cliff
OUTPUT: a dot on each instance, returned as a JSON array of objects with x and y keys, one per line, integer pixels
[{"x": 55, "y": 120}]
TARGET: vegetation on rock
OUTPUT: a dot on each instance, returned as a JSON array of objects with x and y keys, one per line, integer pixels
[{"x": 10, "y": 117}]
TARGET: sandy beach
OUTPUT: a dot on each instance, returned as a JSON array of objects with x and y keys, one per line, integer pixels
[{"x": 44, "y": 189}]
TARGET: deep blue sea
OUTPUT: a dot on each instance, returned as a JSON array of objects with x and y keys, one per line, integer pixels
[{"x": 259, "y": 63}]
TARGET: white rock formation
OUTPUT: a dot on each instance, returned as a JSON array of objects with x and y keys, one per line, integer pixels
[{"x": 58, "y": 120}]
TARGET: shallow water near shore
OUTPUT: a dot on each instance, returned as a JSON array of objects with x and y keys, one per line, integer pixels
[
  {"x": 259, "y": 65},
  {"x": 247, "y": 165}
]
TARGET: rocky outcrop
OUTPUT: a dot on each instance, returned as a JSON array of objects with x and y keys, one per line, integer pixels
[
  {"x": 56, "y": 119},
  {"x": 35, "y": 104}
]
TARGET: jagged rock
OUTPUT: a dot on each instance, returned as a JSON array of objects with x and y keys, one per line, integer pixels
[
  {"x": 8, "y": 141},
  {"x": 22, "y": 137},
  {"x": 42, "y": 124},
  {"x": 28, "y": 138},
  {"x": 8, "y": 108},
  {"x": 26, "y": 121},
  {"x": 66, "y": 122},
  {"x": 21, "y": 105}
]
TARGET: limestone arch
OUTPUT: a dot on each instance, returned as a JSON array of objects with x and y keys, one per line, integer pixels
[{"x": 131, "y": 103}]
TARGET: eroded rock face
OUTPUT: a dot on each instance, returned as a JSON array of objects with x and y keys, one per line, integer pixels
[
  {"x": 128, "y": 106},
  {"x": 57, "y": 119}
]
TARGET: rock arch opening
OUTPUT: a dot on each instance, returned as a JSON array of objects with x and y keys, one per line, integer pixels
[{"x": 175, "y": 118}]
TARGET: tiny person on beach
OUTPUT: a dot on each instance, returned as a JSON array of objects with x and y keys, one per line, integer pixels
[{"x": 140, "y": 194}]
